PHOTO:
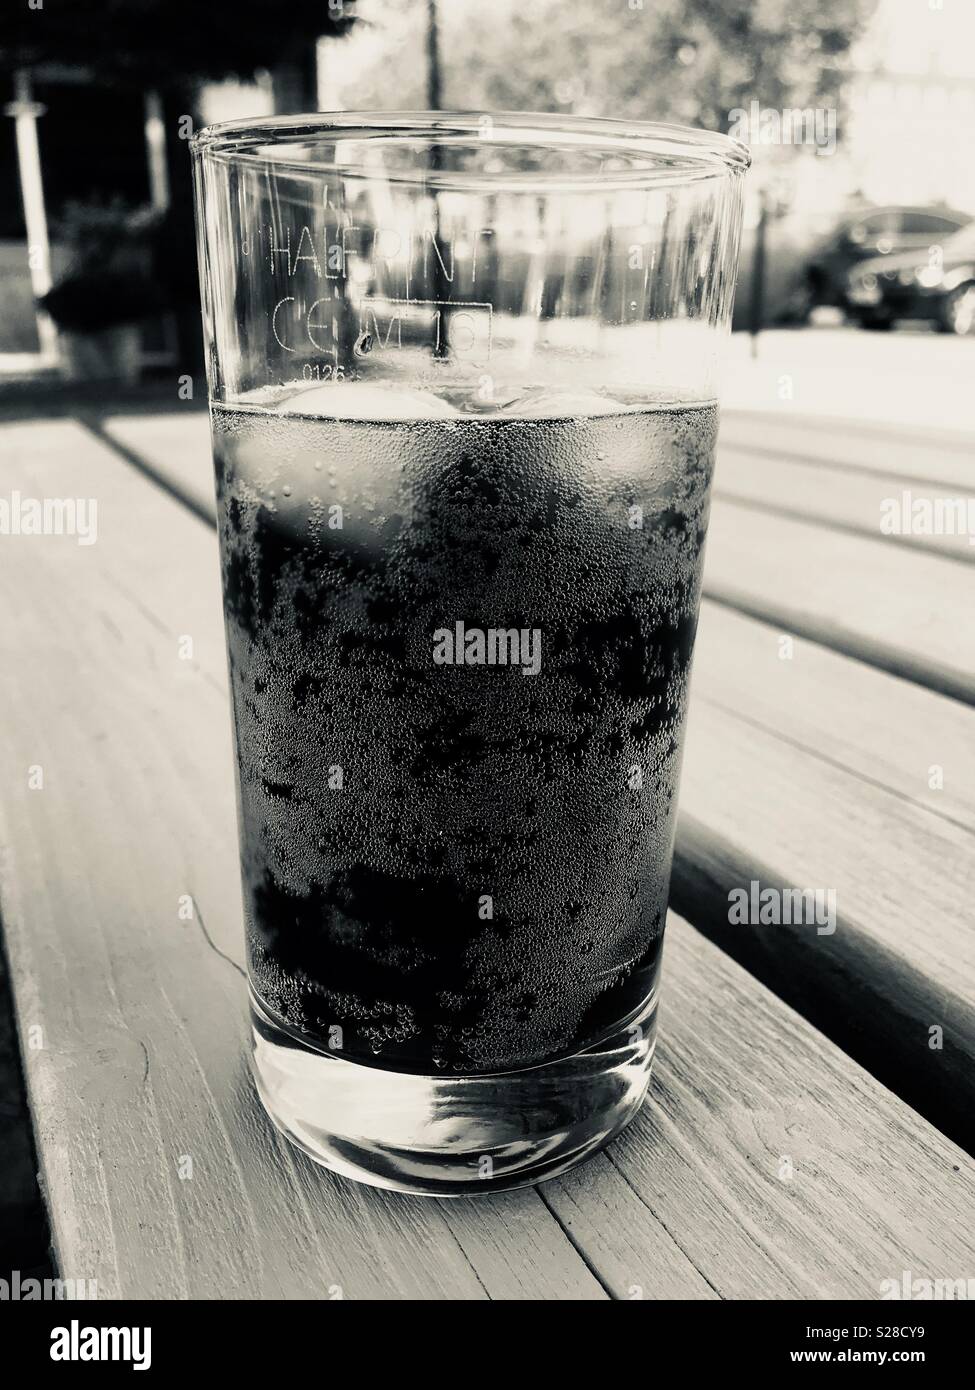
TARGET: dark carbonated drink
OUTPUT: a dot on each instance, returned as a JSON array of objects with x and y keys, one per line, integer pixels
[{"x": 459, "y": 655}]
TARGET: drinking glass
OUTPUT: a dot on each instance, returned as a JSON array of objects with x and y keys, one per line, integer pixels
[{"x": 463, "y": 406}]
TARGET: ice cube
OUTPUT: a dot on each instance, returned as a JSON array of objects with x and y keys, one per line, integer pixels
[
  {"x": 559, "y": 403},
  {"x": 353, "y": 400}
]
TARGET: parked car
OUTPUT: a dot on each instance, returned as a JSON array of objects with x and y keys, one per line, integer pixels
[
  {"x": 938, "y": 284},
  {"x": 870, "y": 233}
]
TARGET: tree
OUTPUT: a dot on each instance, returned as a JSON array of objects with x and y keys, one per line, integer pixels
[{"x": 691, "y": 61}]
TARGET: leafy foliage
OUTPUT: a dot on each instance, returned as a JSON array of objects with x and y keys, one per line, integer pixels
[{"x": 690, "y": 61}]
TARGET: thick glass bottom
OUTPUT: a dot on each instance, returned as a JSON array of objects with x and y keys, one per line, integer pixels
[{"x": 446, "y": 1135}]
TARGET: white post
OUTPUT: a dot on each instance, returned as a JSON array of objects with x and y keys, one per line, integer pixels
[
  {"x": 25, "y": 112},
  {"x": 155, "y": 128}
]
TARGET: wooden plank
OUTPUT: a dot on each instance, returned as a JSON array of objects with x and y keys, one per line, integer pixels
[
  {"x": 918, "y": 746},
  {"x": 23, "y": 1221},
  {"x": 144, "y": 1030},
  {"x": 899, "y": 609},
  {"x": 780, "y": 1167},
  {"x": 172, "y": 449},
  {"x": 928, "y": 457},
  {"x": 819, "y": 772},
  {"x": 842, "y": 499}
]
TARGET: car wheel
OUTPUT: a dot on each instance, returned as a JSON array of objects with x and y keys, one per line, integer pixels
[
  {"x": 806, "y": 296},
  {"x": 879, "y": 323},
  {"x": 958, "y": 315},
  {"x": 798, "y": 308}
]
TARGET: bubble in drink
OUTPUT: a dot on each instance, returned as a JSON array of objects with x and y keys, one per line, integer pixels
[{"x": 449, "y": 866}]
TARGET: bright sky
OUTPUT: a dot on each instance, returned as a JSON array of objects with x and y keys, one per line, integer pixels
[{"x": 913, "y": 36}]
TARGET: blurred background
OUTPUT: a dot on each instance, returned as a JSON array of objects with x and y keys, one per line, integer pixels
[{"x": 858, "y": 264}]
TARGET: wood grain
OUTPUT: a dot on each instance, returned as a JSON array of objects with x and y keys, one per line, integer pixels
[
  {"x": 144, "y": 1031},
  {"x": 890, "y": 732},
  {"x": 816, "y": 772},
  {"x": 173, "y": 450},
  {"x": 768, "y": 1157},
  {"x": 842, "y": 499},
  {"x": 896, "y": 608},
  {"x": 929, "y": 457}
]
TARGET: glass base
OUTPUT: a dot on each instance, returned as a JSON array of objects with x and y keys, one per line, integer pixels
[{"x": 449, "y": 1136}]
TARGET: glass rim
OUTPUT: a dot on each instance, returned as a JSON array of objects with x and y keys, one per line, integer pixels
[{"x": 632, "y": 153}]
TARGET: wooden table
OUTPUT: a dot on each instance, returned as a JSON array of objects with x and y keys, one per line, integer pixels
[{"x": 805, "y": 1135}]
